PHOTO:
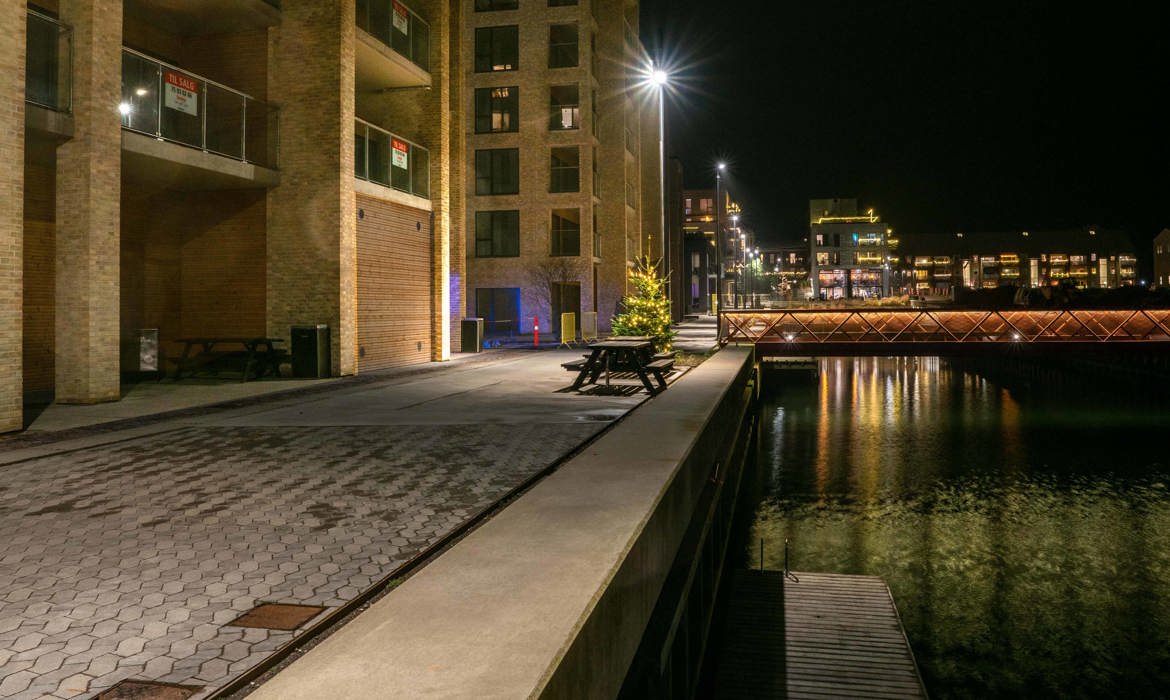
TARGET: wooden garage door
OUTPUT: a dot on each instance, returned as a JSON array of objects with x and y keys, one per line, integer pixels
[{"x": 393, "y": 284}]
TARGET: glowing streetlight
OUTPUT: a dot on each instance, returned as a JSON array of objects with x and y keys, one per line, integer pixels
[
  {"x": 659, "y": 79},
  {"x": 719, "y": 168}
]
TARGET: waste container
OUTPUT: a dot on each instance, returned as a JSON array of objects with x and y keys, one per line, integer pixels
[
  {"x": 471, "y": 330},
  {"x": 311, "y": 356}
]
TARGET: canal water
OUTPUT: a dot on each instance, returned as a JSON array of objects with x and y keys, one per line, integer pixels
[{"x": 1024, "y": 533}]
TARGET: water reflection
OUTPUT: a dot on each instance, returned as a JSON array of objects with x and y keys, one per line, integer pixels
[{"x": 1026, "y": 540}]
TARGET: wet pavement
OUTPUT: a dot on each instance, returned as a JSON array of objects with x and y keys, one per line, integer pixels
[{"x": 131, "y": 547}]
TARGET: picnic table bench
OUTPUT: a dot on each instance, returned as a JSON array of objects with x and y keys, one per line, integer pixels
[
  {"x": 255, "y": 356},
  {"x": 621, "y": 355}
]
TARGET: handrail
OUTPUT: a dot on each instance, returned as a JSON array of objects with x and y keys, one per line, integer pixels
[
  {"x": 49, "y": 85},
  {"x": 417, "y": 177},
  {"x": 397, "y": 26},
  {"x": 171, "y": 103}
]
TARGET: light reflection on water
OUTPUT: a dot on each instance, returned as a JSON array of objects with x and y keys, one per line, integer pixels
[{"x": 1026, "y": 540}]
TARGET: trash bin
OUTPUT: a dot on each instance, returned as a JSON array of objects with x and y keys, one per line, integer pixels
[
  {"x": 471, "y": 330},
  {"x": 311, "y": 356},
  {"x": 148, "y": 350}
]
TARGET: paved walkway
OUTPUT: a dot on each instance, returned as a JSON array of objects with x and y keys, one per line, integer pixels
[
  {"x": 131, "y": 547},
  {"x": 138, "y": 532}
]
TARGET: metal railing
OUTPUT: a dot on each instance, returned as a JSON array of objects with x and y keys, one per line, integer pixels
[
  {"x": 172, "y": 104},
  {"x": 390, "y": 160},
  {"x": 49, "y": 63},
  {"x": 397, "y": 26},
  {"x": 808, "y": 331}
]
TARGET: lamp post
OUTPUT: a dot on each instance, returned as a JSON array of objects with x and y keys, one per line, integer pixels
[
  {"x": 719, "y": 168},
  {"x": 658, "y": 78},
  {"x": 737, "y": 236}
]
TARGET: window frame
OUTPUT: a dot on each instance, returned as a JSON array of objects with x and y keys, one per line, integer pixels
[
  {"x": 485, "y": 98},
  {"x": 488, "y": 46},
  {"x": 499, "y": 229},
  {"x": 557, "y": 234},
  {"x": 556, "y": 110},
  {"x": 559, "y": 47},
  {"x": 495, "y": 178},
  {"x": 491, "y": 5},
  {"x": 559, "y": 179}
]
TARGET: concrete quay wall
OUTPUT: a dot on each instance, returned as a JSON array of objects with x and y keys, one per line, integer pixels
[{"x": 551, "y": 597}]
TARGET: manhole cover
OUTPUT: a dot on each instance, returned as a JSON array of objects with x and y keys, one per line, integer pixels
[
  {"x": 277, "y": 616},
  {"x": 145, "y": 690}
]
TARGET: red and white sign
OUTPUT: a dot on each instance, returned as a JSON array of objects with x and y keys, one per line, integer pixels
[
  {"x": 401, "y": 18},
  {"x": 399, "y": 154},
  {"x": 182, "y": 93}
]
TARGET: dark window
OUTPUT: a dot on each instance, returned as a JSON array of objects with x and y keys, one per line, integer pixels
[
  {"x": 562, "y": 46},
  {"x": 497, "y": 234},
  {"x": 490, "y": 5},
  {"x": 497, "y": 48},
  {"x": 564, "y": 107},
  {"x": 565, "y": 232},
  {"x": 497, "y": 109},
  {"x": 497, "y": 171},
  {"x": 565, "y": 173},
  {"x": 596, "y": 234},
  {"x": 561, "y": 3},
  {"x": 499, "y": 307}
]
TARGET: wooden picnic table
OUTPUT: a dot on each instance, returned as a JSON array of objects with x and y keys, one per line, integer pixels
[
  {"x": 258, "y": 354},
  {"x": 621, "y": 355}
]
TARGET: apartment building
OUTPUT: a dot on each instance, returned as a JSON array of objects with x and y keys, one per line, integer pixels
[
  {"x": 1088, "y": 257},
  {"x": 225, "y": 169},
  {"x": 849, "y": 251},
  {"x": 562, "y": 156},
  {"x": 1162, "y": 258},
  {"x": 699, "y": 267}
]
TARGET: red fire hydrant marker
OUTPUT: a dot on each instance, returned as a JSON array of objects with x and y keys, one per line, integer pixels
[{"x": 535, "y": 332}]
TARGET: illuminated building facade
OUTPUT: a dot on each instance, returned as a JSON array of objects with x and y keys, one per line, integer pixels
[
  {"x": 1088, "y": 257},
  {"x": 562, "y": 158},
  {"x": 1162, "y": 258},
  {"x": 848, "y": 251},
  {"x": 699, "y": 268},
  {"x": 206, "y": 168}
]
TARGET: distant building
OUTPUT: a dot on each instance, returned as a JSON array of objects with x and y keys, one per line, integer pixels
[
  {"x": 1089, "y": 257},
  {"x": 699, "y": 266},
  {"x": 787, "y": 268},
  {"x": 848, "y": 251},
  {"x": 1162, "y": 258}
]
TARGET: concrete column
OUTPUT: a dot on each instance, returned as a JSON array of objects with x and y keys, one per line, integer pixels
[
  {"x": 12, "y": 53},
  {"x": 312, "y": 229},
  {"x": 89, "y": 173}
]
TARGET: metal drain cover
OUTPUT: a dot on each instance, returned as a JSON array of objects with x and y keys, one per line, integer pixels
[
  {"x": 148, "y": 690},
  {"x": 277, "y": 616}
]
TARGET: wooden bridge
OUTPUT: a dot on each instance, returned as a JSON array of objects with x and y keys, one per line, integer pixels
[{"x": 859, "y": 331}]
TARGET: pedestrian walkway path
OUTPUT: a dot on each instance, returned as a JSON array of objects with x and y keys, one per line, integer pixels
[
  {"x": 133, "y": 547},
  {"x": 696, "y": 335}
]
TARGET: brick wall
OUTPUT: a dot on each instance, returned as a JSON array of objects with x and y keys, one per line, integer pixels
[
  {"x": 88, "y": 203},
  {"x": 311, "y": 248},
  {"x": 12, "y": 57},
  {"x": 39, "y": 282}
]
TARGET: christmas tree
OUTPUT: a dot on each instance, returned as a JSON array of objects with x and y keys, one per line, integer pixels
[{"x": 647, "y": 310}]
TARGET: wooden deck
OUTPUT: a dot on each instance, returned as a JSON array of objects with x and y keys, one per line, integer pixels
[{"x": 836, "y": 636}]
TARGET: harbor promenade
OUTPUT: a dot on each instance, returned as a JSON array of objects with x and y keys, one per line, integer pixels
[{"x": 146, "y": 537}]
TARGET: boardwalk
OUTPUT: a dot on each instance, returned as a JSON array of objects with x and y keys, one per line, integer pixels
[
  {"x": 843, "y": 638},
  {"x": 826, "y": 636}
]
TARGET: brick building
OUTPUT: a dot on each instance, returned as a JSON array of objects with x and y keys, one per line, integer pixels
[
  {"x": 225, "y": 169},
  {"x": 562, "y": 159}
]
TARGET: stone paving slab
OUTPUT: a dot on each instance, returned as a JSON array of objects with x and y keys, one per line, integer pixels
[{"x": 128, "y": 559}]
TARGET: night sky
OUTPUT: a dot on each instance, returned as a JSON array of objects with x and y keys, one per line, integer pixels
[{"x": 943, "y": 116}]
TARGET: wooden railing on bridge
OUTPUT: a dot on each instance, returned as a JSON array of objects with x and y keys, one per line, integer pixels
[{"x": 942, "y": 332}]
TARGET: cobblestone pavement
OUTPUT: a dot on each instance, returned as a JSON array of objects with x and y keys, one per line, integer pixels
[{"x": 128, "y": 560}]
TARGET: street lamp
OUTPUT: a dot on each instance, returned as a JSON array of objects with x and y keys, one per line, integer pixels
[
  {"x": 659, "y": 78},
  {"x": 736, "y": 279},
  {"x": 719, "y": 168}
]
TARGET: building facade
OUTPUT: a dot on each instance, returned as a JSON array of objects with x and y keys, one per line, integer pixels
[
  {"x": 563, "y": 159},
  {"x": 1162, "y": 258},
  {"x": 225, "y": 169},
  {"x": 849, "y": 251},
  {"x": 1087, "y": 258}
]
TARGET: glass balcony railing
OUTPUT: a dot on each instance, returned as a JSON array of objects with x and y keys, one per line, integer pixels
[
  {"x": 169, "y": 103},
  {"x": 398, "y": 27},
  {"x": 382, "y": 157},
  {"x": 48, "y": 63}
]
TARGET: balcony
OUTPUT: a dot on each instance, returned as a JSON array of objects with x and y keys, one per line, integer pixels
[
  {"x": 383, "y": 158},
  {"x": 392, "y": 47},
  {"x": 48, "y": 78},
  {"x": 229, "y": 136},
  {"x": 199, "y": 17}
]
